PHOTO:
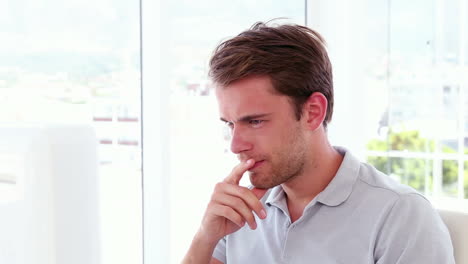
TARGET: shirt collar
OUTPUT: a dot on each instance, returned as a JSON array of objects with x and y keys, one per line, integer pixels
[
  {"x": 341, "y": 186},
  {"x": 337, "y": 191},
  {"x": 276, "y": 195}
]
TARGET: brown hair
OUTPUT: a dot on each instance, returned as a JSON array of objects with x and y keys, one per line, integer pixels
[{"x": 293, "y": 56}]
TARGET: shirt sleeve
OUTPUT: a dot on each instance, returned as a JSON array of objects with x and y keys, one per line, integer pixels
[
  {"x": 413, "y": 232},
  {"x": 219, "y": 252}
]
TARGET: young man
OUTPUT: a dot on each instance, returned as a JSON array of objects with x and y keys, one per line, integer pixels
[{"x": 310, "y": 202}]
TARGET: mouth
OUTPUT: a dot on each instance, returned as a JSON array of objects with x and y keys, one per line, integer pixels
[{"x": 257, "y": 164}]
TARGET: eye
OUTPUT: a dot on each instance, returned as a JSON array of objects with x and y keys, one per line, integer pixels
[
  {"x": 256, "y": 123},
  {"x": 229, "y": 124}
]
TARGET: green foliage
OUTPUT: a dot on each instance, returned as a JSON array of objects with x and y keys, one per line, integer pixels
[
  {"x": 450, "y": 176},
  {"x": 380, "y": 163},
  {"x": 413, "y": 171},
  {"x": 405, "y": 140}
]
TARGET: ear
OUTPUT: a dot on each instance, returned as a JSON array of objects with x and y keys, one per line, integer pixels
[{"x": 314, "y": 111}]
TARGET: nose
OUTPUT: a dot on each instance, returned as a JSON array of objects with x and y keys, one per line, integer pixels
[{"x": 239, "y": 141}]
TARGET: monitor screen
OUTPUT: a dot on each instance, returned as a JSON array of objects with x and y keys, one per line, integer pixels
[{"x": 48, "y": 194}]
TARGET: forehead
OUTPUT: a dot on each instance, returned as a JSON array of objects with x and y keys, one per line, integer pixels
[{"x": 253, "y": 95}]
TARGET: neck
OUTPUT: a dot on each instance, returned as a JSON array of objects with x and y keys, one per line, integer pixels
[{"x": 319, "y": 171}]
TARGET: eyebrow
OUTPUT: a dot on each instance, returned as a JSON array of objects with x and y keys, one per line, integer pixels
[{"x": 248, "y": 117}]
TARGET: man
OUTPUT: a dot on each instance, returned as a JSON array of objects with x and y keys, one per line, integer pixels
[{"x": 310, "y": 202}]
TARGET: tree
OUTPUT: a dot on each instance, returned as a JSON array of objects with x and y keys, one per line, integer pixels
[{"x": 414, "y": 171}]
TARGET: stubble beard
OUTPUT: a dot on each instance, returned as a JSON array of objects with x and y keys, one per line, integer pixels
[{"x": 289, "y": 163}]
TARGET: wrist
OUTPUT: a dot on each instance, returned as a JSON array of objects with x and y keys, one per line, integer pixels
[
  {"x": 201, "y": 249},
  {"x": 205, "y": 239}
]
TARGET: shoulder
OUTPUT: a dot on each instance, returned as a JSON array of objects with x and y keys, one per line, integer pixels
[
  {"x": 412, "y": 231},
  {"x": 392, "y": 201},
  {"x": 377, "y": 180},
  {"x": 408, "y": 225},
  {"x": 367, "y": 181}
]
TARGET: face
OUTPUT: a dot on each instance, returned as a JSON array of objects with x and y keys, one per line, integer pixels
[{"x": 263, "y": 127}]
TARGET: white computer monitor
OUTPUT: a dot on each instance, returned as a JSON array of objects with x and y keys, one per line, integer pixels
[{"x": 48, "y": 194}]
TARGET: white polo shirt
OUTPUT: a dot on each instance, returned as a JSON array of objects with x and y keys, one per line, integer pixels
[{"x": 363, "y": 216}]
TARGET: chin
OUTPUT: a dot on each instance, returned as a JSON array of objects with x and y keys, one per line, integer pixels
[{"x": 258, "y": 181}]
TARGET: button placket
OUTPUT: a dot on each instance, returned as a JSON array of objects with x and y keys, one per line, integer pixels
[{"x": 289, "y": 241}]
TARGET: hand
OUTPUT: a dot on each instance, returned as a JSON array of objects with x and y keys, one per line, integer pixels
[{"x": 231, "y": 206}]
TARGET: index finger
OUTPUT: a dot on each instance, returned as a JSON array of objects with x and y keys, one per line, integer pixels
[{"x": 238, "y": 171}]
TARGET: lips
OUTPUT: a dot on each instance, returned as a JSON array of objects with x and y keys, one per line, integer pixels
[{"x": 257, "y": 164}]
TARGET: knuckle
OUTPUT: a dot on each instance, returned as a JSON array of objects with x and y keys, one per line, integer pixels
[
  {"x": 226, "y": 211},
  {"x": 214, "y": 196},
  {"x": 218, "y": 187},
  {"x": 243, "y": 191},
  {"x": 238, "y": 203},
  {"x": 211, "y": 205}
]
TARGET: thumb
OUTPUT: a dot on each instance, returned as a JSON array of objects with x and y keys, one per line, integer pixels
[{"x": 259, "y": 193}]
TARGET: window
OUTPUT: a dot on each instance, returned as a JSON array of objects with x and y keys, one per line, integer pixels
[
  {"x": 79, "y": 62},
  {"x": 401, "y": 86}
]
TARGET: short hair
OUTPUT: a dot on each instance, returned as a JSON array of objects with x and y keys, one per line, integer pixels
[{"x": 293, "y": 56}]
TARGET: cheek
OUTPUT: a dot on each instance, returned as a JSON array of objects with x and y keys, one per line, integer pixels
[
  {"x": 271, "y": 144},
  {"x": 278, "y": 141},
  {"x": 293, "y": 143},
  {"x": 284, "y": 145}
]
